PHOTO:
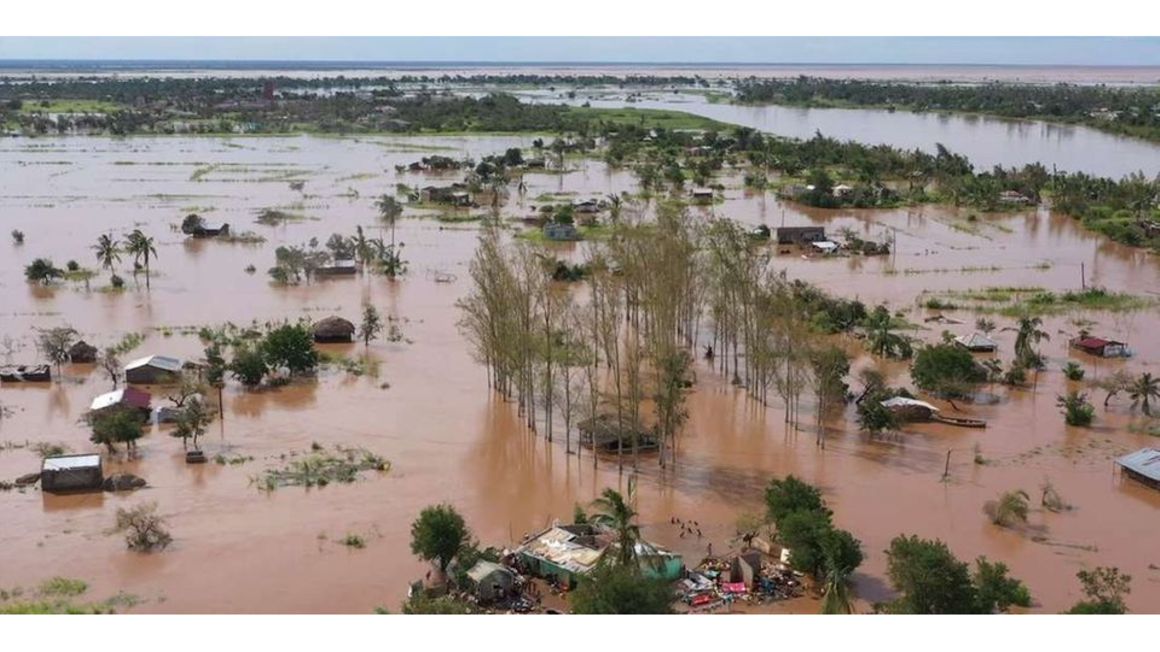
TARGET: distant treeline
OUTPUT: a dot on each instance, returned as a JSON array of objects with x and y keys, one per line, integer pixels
[{"x": 1129, "y": 110}]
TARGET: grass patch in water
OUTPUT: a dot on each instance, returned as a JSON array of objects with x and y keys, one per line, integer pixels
[
  {"x": 1016, "y": 300},
  {"x": 321, "y": 467}
]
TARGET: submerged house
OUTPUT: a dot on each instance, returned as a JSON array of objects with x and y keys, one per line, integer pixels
[
  {"x": 704, "y": 195},
  {"x": 40, "y": 373},
  {"x": 910, "y": 409},
  {"x": 586, "y": 206},
  {"x": 456, "y": 194},
  {"x": 977, "y": 343},
  {"x": 126, "y": 397},
  {"x": 333, "y": 329},
  {"x": 491, "y": 581},
  {"x": 561, "y": 232},
  {"x": 800, "y": 235},
  {"x": 82, "y": 352},
  {"x": 605, "y": 435},
  {"x": 154, "y": 370},
  {"x": 1142, "y": 466},
  {"x": 1100, "y": 347},
  {"x": 340, "y": 267},
  {"x": 67, "y": 473},
  {"x": 196, "y": 226}
]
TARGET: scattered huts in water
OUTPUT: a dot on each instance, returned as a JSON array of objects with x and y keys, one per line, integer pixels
[
  {"x": 455, "y": 195},
  {"x": 333, "y": 329},
  {"x": 977, "y": 343},
  {"x": 124, "y": 398},
  {"x": 155, "y": 370},
  {"x": 800, "y": 235},
  {"x": 1142, "y": 466},
  {"x": 82, "y": 353},
  {"x": 40, "y": 373},
  {"x": 490, "y": 581},
  {"x": 340, "y": 267},
  {"x": 71, "y": 473},
  {"x": 1100, "y": 347},
  {"x": 604, "y": 434}
]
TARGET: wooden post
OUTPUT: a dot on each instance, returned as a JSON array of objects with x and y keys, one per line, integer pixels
[
  {"x": 1082, "y": 277},
  {"x": 947, "y": 468}
]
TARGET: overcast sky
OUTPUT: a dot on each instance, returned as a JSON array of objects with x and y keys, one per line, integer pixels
[{"x": 1096, "y": 51}]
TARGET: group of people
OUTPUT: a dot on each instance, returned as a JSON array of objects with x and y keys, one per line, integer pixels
[{"x": 690, "y": 527}]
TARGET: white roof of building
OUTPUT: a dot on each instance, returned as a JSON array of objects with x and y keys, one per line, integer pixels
[
  {"x": 902, "y": 401},
  {"x": 66, "y": 462},
  {"x": 976, "y": 340},
  {"x": 557, "y": 545},
  {"x": 159, "y": 361},
  {"x": 1145, "y": 461},
  {"x": 825, "y": 245},
  {"x": 108, "y": 399},
  {"x": 702, "y": 191}
]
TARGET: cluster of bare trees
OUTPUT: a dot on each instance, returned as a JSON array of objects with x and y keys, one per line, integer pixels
[{"x": 617, "y": 348}]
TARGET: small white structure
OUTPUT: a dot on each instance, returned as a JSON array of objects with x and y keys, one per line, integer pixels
[
  {"x": 825, "y": 246},
  {"x": 841, "y": 190},
  {"x": 65, "y": 473}
]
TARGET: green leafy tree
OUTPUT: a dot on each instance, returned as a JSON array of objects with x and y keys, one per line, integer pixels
[
  {"x": 42, "y": 271},
  {"x": 1027, "y": 337},
  {"x": 873, "y": 417},
  {"x": 290, "y": 346},
  {"x": 930, "y": 580},
  {"x": 371, "y": 326},
  {"x": 54, "y": 343},
  {"x": 946, "y": 369},
  {"x": 1105, "y": 589},
  {"x": 836, "y": 598},
  {"x": 1077, "y": 411},
  {"x": 248, "y": 365},
  {"x": 389, "y": 211},
  {"x": 783, "y": 497},
  {"x": 620, "y": 589},
  {"x": 116, "y": 425},
  {"x": 438, "y": 535},
  {"x": 192, "y": 420}
]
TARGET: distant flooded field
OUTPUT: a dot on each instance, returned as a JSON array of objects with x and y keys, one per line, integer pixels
[{"x": 428, "y": 410}]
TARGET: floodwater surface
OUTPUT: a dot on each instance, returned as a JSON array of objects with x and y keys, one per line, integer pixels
[{"x": 429, "y": 411}]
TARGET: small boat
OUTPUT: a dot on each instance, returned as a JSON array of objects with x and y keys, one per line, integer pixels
[{"x": 962, "y": 422}]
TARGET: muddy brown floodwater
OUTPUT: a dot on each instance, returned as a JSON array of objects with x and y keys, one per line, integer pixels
[{"x": 429, "y": 411}]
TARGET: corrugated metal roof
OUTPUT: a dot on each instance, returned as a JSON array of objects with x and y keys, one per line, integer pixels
[
  {"x": 558, "y": 546},
  {"x": 68, "y": 462},
  {"x": 159, "y": 361},
  {"x": 902, "y": 401},
  {"x": 976, "y": 341},
  {"x": 483, "y": 568},
  {"x": 127, "y": 395},
  {"x": 1145, "y": 461}
]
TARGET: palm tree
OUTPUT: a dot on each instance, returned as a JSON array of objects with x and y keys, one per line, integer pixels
[
  {"x": 880, "y": 326},
  {"x": 836, "y": 599},
  {"x": 1028, "y": 336},
  {"x": 363, "y": 250},
  {"x": 389, "y": 209},
  {"x": 1144, "y": 389},
  {"x": 614, "y": 512},
  {"x": 108, "y": 251},
  {"x": 141, "y": 247}
]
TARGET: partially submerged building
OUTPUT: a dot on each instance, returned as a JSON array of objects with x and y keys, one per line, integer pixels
[
  {"x": 1142, "y": 466},
  {"x": 560, "y": 232},
  {"x": 154, "y": 370},
  {"x": 1100, "y": 347},
  {"x": 82, "y": 353},
  {"x": 340, "y": 267},
  {"x": 333, "y": 329},
  {"x": 564, "y": 552},
  {"x": 586, "y": 206},
  {"x": 126, "y": 397},
  {"x": 604, "y": 434},
  {"x": 800, "y": 235},
  {"x": 72, "y": 473},
  {"x": 491, "y": 581},
  {"x": 455, "y": 195},
  {"x": 977, "y": 343},
  {"x": 39, "y": 373},
  {"x": 702, "y": 195}
]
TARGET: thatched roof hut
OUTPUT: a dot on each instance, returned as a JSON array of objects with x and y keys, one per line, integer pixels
[
  {"x": 82, "y": 352},
  {"x": 604, "y": 434},
  {"x": 333, "y": 329}
]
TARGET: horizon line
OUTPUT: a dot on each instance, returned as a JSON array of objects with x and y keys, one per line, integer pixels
[{"x": 450, "y": 62}]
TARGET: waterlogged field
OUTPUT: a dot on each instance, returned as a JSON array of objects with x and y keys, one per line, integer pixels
[{"x": 424, "y": 405}]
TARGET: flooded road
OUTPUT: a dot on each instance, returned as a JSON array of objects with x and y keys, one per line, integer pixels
[{"x": 430, "y": 413}]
